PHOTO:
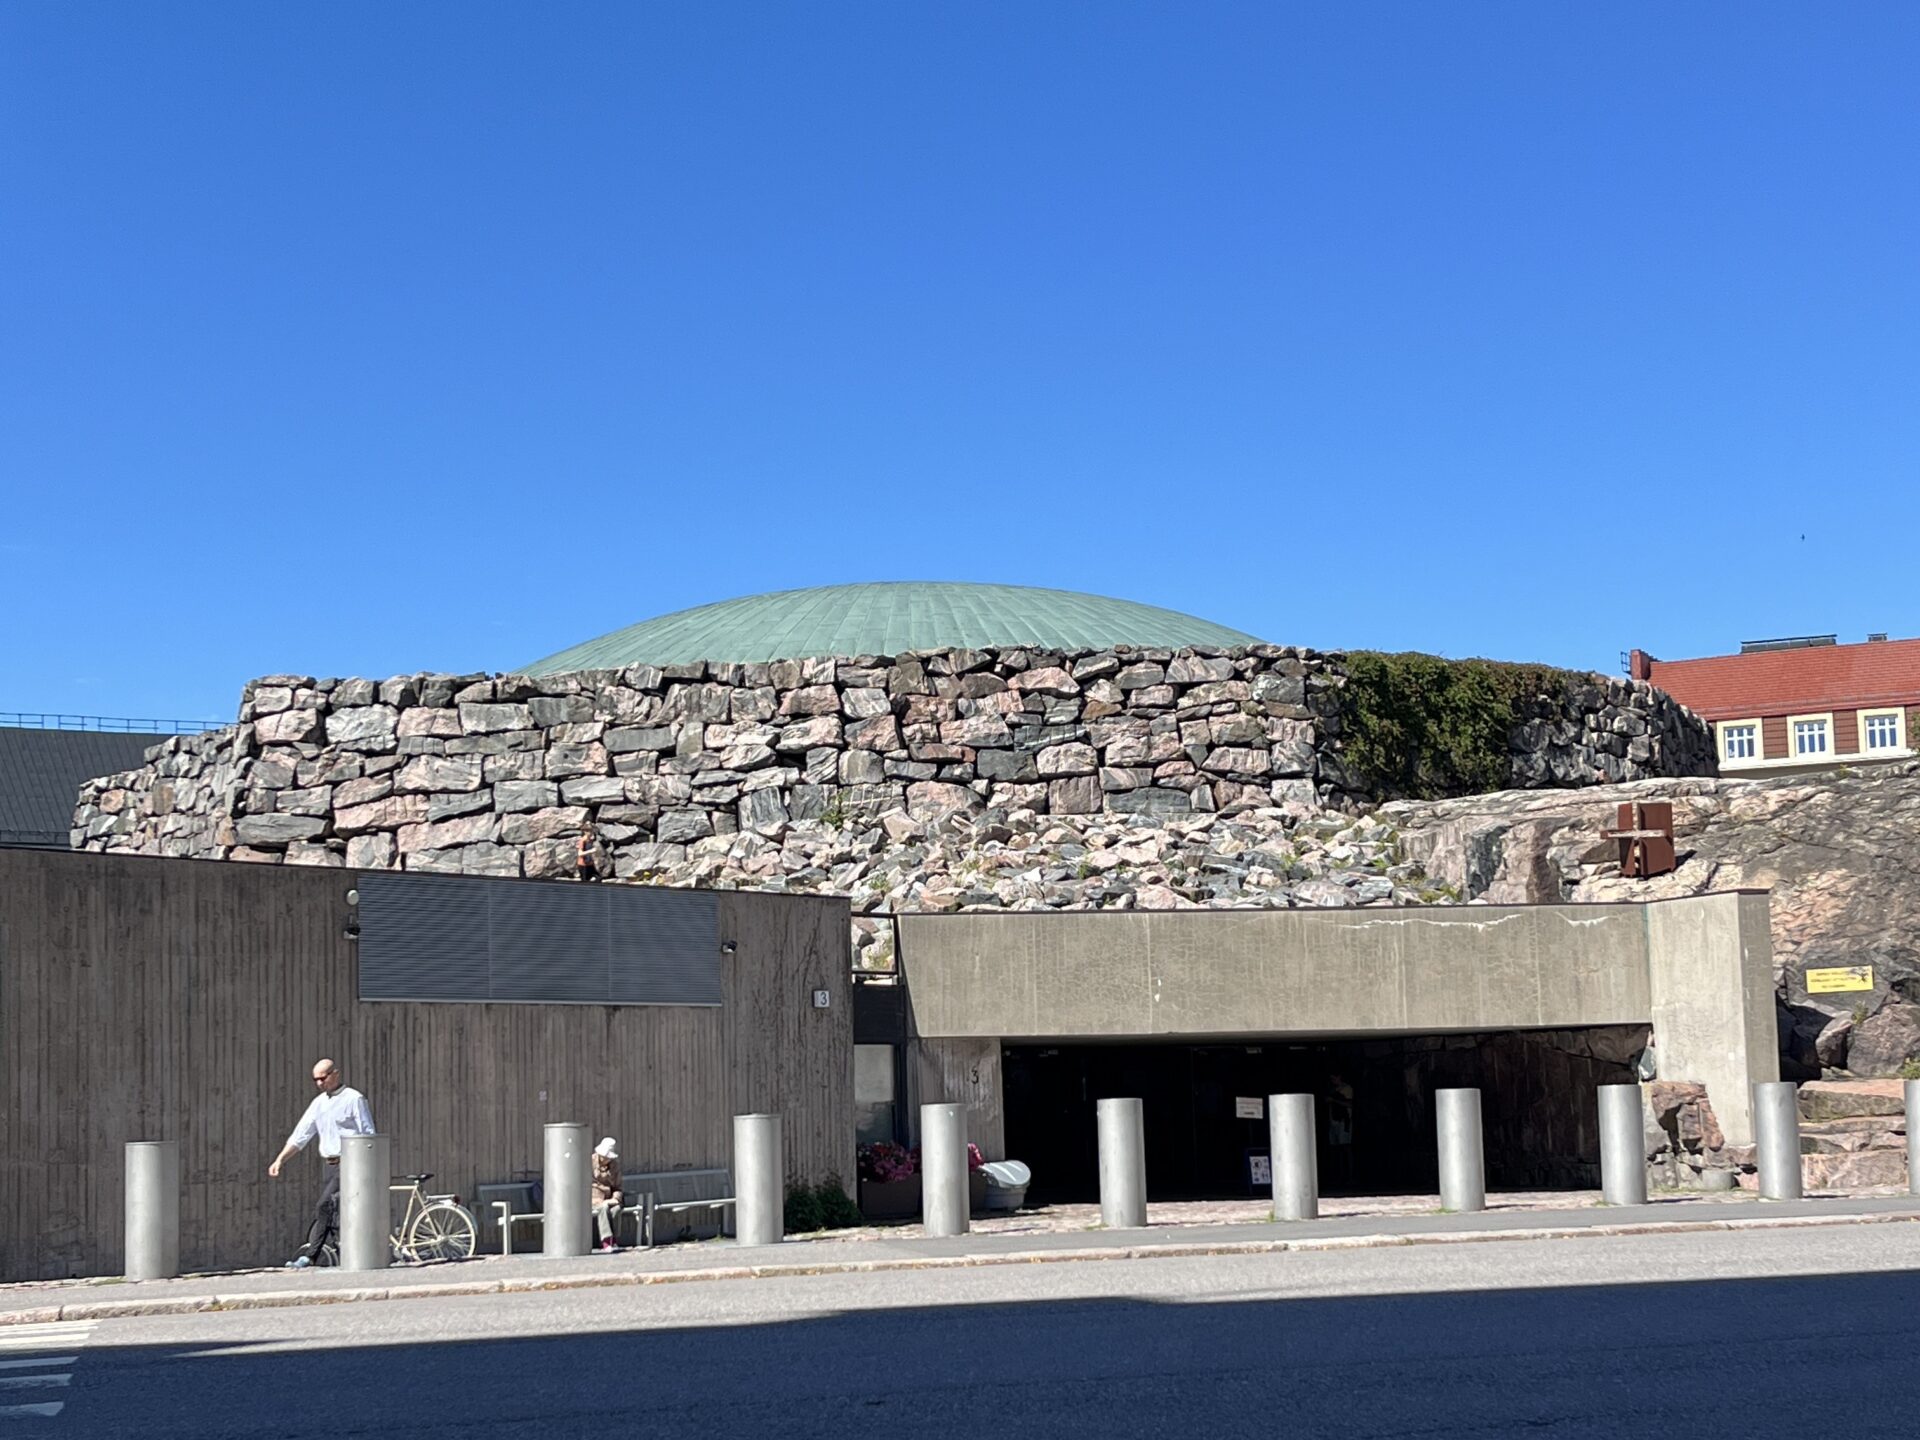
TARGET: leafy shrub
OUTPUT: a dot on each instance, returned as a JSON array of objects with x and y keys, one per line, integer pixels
[
  {"x": 819, "y": 1207},
  {"x": 1417, "y": 727},
  {"x": 837, "y": 1210},
  {"x": 802, "y": 1212}
]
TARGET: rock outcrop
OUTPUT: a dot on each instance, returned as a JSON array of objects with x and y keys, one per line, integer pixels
[{"x": 1839, "y": 850}]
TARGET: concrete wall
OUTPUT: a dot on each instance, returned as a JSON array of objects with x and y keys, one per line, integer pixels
[
  {"x": 967, "y": 1072},
  {"x": 1274, "y": 972},
  {"x": 1698, "y": 969},
  {"x": 179, "y": 999},
  {"x": 1710, "y": 959}
]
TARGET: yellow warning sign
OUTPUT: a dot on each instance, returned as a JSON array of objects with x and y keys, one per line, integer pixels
[{"x": 1843, "y": 977}]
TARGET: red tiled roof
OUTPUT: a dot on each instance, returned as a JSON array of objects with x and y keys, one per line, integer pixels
[{"x": 1812, "y": 680}]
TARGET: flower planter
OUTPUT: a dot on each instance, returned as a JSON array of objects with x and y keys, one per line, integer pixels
[{"x": 891, "y": 1199}]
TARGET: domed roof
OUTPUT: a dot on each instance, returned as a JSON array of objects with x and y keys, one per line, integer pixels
[{"x": 888, "y": 618}]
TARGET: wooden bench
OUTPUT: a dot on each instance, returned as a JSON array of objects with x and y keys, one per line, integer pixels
[{"x": 680, "y": 1196}]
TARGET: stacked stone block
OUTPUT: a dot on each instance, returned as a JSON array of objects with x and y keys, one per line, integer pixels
[{"x": 515, "y": 775}]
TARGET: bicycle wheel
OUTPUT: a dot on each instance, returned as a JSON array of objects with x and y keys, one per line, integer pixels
[{"x": 443, "y": 1231}]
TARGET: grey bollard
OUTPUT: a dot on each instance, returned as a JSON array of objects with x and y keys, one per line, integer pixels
[
  {"x": 1294, "y": 1146},
  {"x": 1463, "y": 1163},
  {"x": 153, "y": 1209},
  {"x": 1123, "y": 1164},
  {"x": 566, "y": 1186},
  {"x": 1623, "y": 1146},
  {"x": 759, "y": 1180},
  {"x": 1776, "y": 1134},
  {"x": 944, "y": 1193},
  {"x": 1913, "y": 1112},
  {"x": 366, "y": 1202}
]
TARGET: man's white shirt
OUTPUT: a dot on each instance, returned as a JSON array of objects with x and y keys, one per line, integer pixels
[{"x": 344, "y": 1112}]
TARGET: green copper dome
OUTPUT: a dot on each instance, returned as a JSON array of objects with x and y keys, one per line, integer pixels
[{"x": 887, "y": 619}]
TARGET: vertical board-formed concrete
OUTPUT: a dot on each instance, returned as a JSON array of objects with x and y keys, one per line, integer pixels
[
  {"x": 945, "y": 1205},
  {"x": 567, "y": 1186},
  {"x": 153, "y": 1209},
  {"x": 1123, "y": 1164},
  {"x": 759, "y": 1180},
  {"x": 1463, "y": 1164},
  {"x": 968, "y": 1071},
  {"x": 189, "y": 999},
  {"x": 1293, "y": 1143},
  {"x": 1776, "y": 1106},
  {"x": 366, "y": 1204},
  {"x": 1623, "y": 1146}
]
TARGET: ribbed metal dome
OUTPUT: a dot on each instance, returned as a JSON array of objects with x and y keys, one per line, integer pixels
[{"x": 887, "y": 618}]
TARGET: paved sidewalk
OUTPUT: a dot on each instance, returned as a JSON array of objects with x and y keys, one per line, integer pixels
[{"x": 1008, "y": 1240}]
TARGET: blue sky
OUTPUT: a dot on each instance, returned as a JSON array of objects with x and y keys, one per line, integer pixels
[{"x": 359, "y": 339}]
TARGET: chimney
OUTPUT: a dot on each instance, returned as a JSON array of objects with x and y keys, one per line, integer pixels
[
  {"x": 1882, "y": 635},
  {"x": 1640, "y": 665}
]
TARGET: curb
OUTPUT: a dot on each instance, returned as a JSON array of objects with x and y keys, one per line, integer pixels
[{"x": 1173, "y": 1250}]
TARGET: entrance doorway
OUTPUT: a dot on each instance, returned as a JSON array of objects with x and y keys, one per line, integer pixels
[{"x": 1204, "y": 1108}]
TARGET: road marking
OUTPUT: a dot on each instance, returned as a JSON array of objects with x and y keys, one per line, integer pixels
[{"x": 37, "y": 1347}]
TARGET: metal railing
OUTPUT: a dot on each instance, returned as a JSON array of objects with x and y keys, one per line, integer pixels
[{"x": 105, "y": 724}]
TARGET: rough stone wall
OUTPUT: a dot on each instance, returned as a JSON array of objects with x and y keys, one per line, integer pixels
[{"x": 507, "y": 774}]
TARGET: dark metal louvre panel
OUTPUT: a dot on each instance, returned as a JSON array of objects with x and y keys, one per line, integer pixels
[
  {"x": 665, "y": 946},
  {"x": 550, "y": 943},
  {"x": 422, "y": 937}
]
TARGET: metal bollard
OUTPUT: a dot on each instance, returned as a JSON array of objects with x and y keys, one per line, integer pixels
[
  {"x": 1912, "y": 1088},
  {"x": 366, "y": 1204},
  {"x": 566, "y": 1185},
  {"x": 759, "y": 1178},
  {"x": 1123, "y": 1164},
  {"x": 153, "y": 1209},
  {"x": 1463, "y": 1163},
  {"x": 1623, "y": 1146},
  {"x": 1294, "y": 1146},
  {"x": 945, "y": 1200},
  {"x": 1776, "y": 1133}
]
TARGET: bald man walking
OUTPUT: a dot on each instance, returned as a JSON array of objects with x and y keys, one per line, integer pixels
[{"x": 336, "y": 1111}]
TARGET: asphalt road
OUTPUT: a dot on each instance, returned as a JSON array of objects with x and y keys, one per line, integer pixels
[{"x": 1780, "y": 1333}]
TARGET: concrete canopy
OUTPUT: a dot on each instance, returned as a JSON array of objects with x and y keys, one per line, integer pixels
[{"x": 888, "y": 618}]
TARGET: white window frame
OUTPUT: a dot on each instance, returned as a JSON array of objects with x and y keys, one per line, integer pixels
[
  {"x": 1899, "y": 715},
  {"x": 1794, "y": 752},
  {"x": 1759, "y": 742}
]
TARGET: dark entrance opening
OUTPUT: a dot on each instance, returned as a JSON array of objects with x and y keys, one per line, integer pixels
[{"x": 1374, "y": 1108}]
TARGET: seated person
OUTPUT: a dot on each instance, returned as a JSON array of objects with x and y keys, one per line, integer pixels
[{"x": 606, "y": 1190}]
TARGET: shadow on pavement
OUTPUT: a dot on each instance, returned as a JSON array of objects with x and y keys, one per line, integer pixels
[{"x": 1799, "y": 1356}]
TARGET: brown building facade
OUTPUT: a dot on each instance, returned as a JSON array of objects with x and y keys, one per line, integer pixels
[{"x": 1800, "y": 703}]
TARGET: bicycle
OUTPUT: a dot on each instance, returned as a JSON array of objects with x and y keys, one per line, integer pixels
[{"x": 434, "y": 1227}]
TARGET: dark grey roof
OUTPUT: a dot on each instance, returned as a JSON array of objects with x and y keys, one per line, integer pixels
[{"x": 41, "y": 772}]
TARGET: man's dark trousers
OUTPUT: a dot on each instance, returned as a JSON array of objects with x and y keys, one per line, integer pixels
[{"x": 326, "y": 1216}]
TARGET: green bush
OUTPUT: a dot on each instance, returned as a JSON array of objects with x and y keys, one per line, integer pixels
[
  {"x": 837, "y": 1209},
  {"x": 1417, "y": 727},
  {"x": 802, "y": 1213},
  {"x": 819, "y": 1207}
]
